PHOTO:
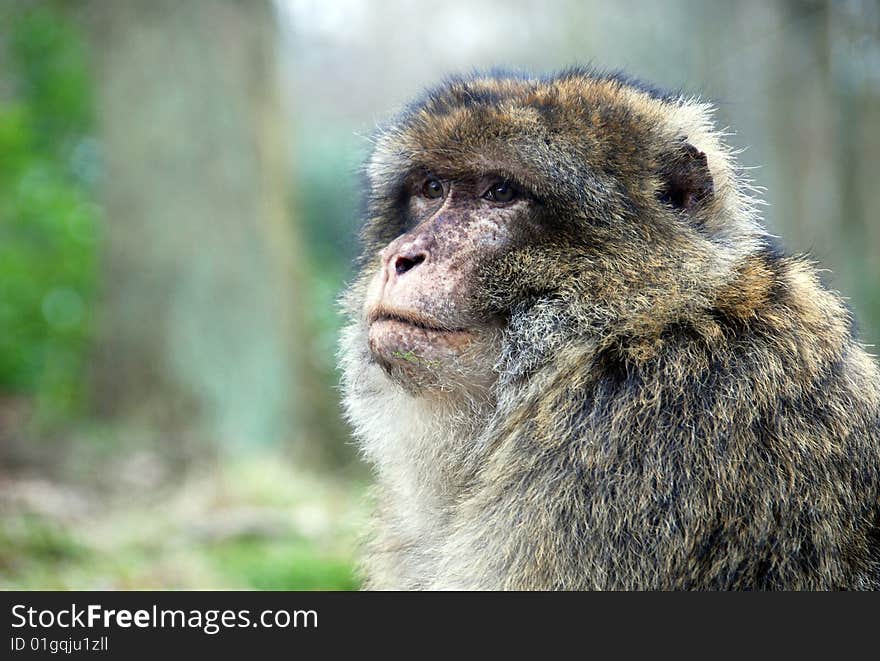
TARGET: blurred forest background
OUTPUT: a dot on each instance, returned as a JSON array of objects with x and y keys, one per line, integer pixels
[{"x": 178, "y": 209}]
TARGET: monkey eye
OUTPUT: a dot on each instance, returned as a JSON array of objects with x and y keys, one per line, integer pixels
[
  {"x": 501, "y": 193},
  {"x": 432, "y": 189}
]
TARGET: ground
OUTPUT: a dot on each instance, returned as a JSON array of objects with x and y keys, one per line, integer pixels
[{"x": 252, "y": 522}]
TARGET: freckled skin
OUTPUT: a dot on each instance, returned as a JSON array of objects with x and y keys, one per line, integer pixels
[{"x": 423, "y": 321}]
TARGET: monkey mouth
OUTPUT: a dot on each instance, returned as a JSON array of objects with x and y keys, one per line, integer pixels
[
  {"x": 413, "y": 340},
  {"x": 411, "y": 319}
]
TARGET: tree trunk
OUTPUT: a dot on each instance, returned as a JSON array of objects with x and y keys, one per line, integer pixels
[{"x": 197, "y": 327}]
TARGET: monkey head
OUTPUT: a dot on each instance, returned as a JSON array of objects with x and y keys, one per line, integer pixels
[{"x": 506, "y": 212}]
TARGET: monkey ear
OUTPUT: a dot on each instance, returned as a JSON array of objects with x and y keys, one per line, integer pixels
[{"x": 687, "y": 182}]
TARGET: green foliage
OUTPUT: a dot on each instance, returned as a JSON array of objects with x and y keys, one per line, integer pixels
[
  {"x": 37, "y": 552},
  {"x": 48, "y": 222},
  {"x": 36, "y": 540},
  {"x": 243, "y": 523},
  {"x": 282, "y": 565}
]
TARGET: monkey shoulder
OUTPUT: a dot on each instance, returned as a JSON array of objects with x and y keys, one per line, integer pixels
[{"x": 740, "y": 451}]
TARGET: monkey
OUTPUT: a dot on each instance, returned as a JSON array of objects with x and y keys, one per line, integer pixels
[{"x": 576, "y": 360}]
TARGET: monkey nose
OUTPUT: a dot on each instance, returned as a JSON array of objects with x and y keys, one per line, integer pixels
[
  {"x": 406, "y": 258},
  {"x": 403, "y": 263}
]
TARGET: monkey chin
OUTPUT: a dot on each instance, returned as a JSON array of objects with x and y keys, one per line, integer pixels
[
  {"x": 404, "y": 343},
  {"x": 415, "y": 356}
]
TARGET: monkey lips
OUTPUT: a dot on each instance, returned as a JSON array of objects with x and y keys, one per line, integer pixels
[{"x": 412, "y": 341}]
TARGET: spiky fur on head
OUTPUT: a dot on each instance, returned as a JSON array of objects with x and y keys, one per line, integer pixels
[{"x": 676, "y": 403}]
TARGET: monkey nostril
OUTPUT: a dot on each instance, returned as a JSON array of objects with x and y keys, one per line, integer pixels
[{"x": 404, "y": 264}]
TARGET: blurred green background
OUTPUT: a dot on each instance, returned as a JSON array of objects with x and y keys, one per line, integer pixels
[{"x": 179, "y": 193}]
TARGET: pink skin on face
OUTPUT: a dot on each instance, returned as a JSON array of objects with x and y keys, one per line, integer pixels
[{"x": 418, "y": 304}]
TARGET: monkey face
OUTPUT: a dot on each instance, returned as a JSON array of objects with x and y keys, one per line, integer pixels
[
  {"x": 507, "y": 213},
  {"x": 427, "y": 323}
]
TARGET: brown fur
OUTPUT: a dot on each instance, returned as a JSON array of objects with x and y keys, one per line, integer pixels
[{"x": 674, "y": 403}]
